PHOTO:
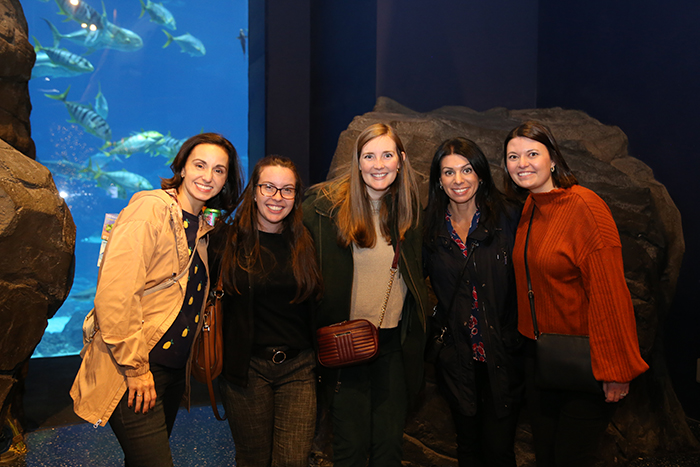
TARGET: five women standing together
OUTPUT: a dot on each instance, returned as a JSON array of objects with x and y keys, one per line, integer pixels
[{"x": 288, "y": 271}]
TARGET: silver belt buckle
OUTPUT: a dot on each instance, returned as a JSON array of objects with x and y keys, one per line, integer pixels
[{"x": 279, "y": 357}]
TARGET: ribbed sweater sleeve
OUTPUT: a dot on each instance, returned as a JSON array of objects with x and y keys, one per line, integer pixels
[{"x": 575, "y": 260}]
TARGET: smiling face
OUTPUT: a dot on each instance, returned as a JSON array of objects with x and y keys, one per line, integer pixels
[
  {"x": 272, "y": 210},
  {"x": 203, "y": 176},
  {"x": 459, "y": 180},
  {"x": 379, "y": 164},
  {"x": 529, "y": 164}
]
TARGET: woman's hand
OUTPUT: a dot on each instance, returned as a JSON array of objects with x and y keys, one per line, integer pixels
[
  {"x": 615, "y": 392},
  {"x": 142, "y": 392}
]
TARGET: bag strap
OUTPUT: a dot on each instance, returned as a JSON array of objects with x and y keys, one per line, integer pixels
[
  {"x": 530, "y": 293},
  {"x": 207, "y": 337},
  {"x": 392, "y": 274}
]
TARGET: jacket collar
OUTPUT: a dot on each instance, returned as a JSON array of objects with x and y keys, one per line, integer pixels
[
  {"x": 480, "y": 234},
  {"x": 321, "y": 203}
]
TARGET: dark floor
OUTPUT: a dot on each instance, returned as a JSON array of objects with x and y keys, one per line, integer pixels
[
  {"x": 673, "y": 460},
  {"x": 83, "y": 445},
  {"x": 58, "y": 438}
]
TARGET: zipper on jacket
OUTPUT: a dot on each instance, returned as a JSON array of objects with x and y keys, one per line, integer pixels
[{"x": 97, "y": 423}]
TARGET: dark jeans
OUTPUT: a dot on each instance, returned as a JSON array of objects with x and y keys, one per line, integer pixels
[
  {"x": 144, "y": 437},
  {"x": 369, "y": 410},
  {"x": 567, "y": 426},
  {"x": 273, "y": 419},
  {"x": 484, "y": 439}
]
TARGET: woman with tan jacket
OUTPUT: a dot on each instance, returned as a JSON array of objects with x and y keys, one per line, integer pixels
[{"x": 136, "y": 370}]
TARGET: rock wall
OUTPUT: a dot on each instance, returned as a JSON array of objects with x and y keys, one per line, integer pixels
[
  {"x": 16, "y": 61},
  {"x": 37, "y": 242},
  {"x": 650, "y": 421}
]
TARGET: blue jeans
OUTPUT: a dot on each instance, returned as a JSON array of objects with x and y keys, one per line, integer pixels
[
  {"x": 369, "y": 409},
  {"x": 273, "y": 419},
  {"x": 144, "y": 438}
]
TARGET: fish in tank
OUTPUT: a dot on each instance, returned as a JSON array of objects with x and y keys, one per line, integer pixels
[{"x": 113, "y": 101}]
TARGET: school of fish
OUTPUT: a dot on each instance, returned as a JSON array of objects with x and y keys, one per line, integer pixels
[{"x": 97, "y": 32}]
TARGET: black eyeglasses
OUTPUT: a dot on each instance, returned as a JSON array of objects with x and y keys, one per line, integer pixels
[{"x": 268, "y": 190}]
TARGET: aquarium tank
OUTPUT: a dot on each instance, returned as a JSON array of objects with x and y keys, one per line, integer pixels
[{"x": 118, "y": 85}]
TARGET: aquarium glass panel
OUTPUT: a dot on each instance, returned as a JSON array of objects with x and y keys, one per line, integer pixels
[{"x": 117, "y": 86}]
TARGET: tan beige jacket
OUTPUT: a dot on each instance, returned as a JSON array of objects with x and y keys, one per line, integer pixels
[{"x": 146, "y": 247}]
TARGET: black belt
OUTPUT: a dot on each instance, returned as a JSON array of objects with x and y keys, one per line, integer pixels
[{"x": 276, "y": 355}]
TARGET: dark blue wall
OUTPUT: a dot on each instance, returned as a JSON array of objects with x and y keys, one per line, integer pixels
[
  {"x": 343, "y": 73},
  {"x": 636, "y": 65},
  {"x": 480, "y": 54}
]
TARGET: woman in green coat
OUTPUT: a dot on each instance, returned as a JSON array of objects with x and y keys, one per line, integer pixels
[{"x": 356, "y": 220}]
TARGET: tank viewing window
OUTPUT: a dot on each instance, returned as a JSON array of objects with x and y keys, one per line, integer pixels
[{"x": 117, "y": 87}]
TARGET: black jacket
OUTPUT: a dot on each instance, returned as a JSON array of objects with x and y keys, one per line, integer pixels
[{"x": 490, "y": 269}]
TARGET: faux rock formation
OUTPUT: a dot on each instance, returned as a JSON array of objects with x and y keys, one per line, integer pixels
[
  {"x": 37, "y": 242},
  {"x": 650, "y": 421},
  {"x": 16, "y": 61}
]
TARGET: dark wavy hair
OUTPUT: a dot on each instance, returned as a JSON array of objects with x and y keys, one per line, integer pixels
[
  {"x": 227, "y": 199},
  {"x": 243, "y": 248},
  {"x": 562, "y": 177},
  {"x": 488, "y": 199}
]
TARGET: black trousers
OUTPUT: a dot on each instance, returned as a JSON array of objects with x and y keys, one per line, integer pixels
[
  {"x": 567, "y": 426},
  {"x": 144, "y": 438},
  {"x": 484, "y": 440}
]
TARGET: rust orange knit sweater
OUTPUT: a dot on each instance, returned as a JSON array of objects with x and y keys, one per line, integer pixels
[{"x": 575, "y": 260}]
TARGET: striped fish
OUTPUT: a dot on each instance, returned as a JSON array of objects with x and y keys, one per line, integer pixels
[
  {"x": 168, "y": 147},
  {"x": 45, "y": 68},
  {"x": 82, "y": 13},
  {"x": 111, "y": 37},
  {"x": 159, "y": 14},
  {"x": 188, "y": 44},
  {"x": 139, "y": 142},
  {"x": 65, "y": 59},
  {"x": 122, "y": 182},
  {"x": 85, "y": 116},
  {"x": 101, "y": 106}
]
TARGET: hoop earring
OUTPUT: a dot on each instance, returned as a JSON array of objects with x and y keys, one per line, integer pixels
[{"x": 552, "y": 169}]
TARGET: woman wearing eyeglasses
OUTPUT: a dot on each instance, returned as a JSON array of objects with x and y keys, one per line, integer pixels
[{"x": 270, "y": 275}]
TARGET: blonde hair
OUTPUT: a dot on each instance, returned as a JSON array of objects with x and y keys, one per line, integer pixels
[{"x": 350, "y": 201}]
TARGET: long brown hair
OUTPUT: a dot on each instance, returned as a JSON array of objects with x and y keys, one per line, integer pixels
[
  {"x": 243, "y": 242},
  {"x": 350, "y": 200}
]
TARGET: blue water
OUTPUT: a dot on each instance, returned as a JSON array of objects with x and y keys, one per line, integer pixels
[{"x": 153, "y": 91}]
